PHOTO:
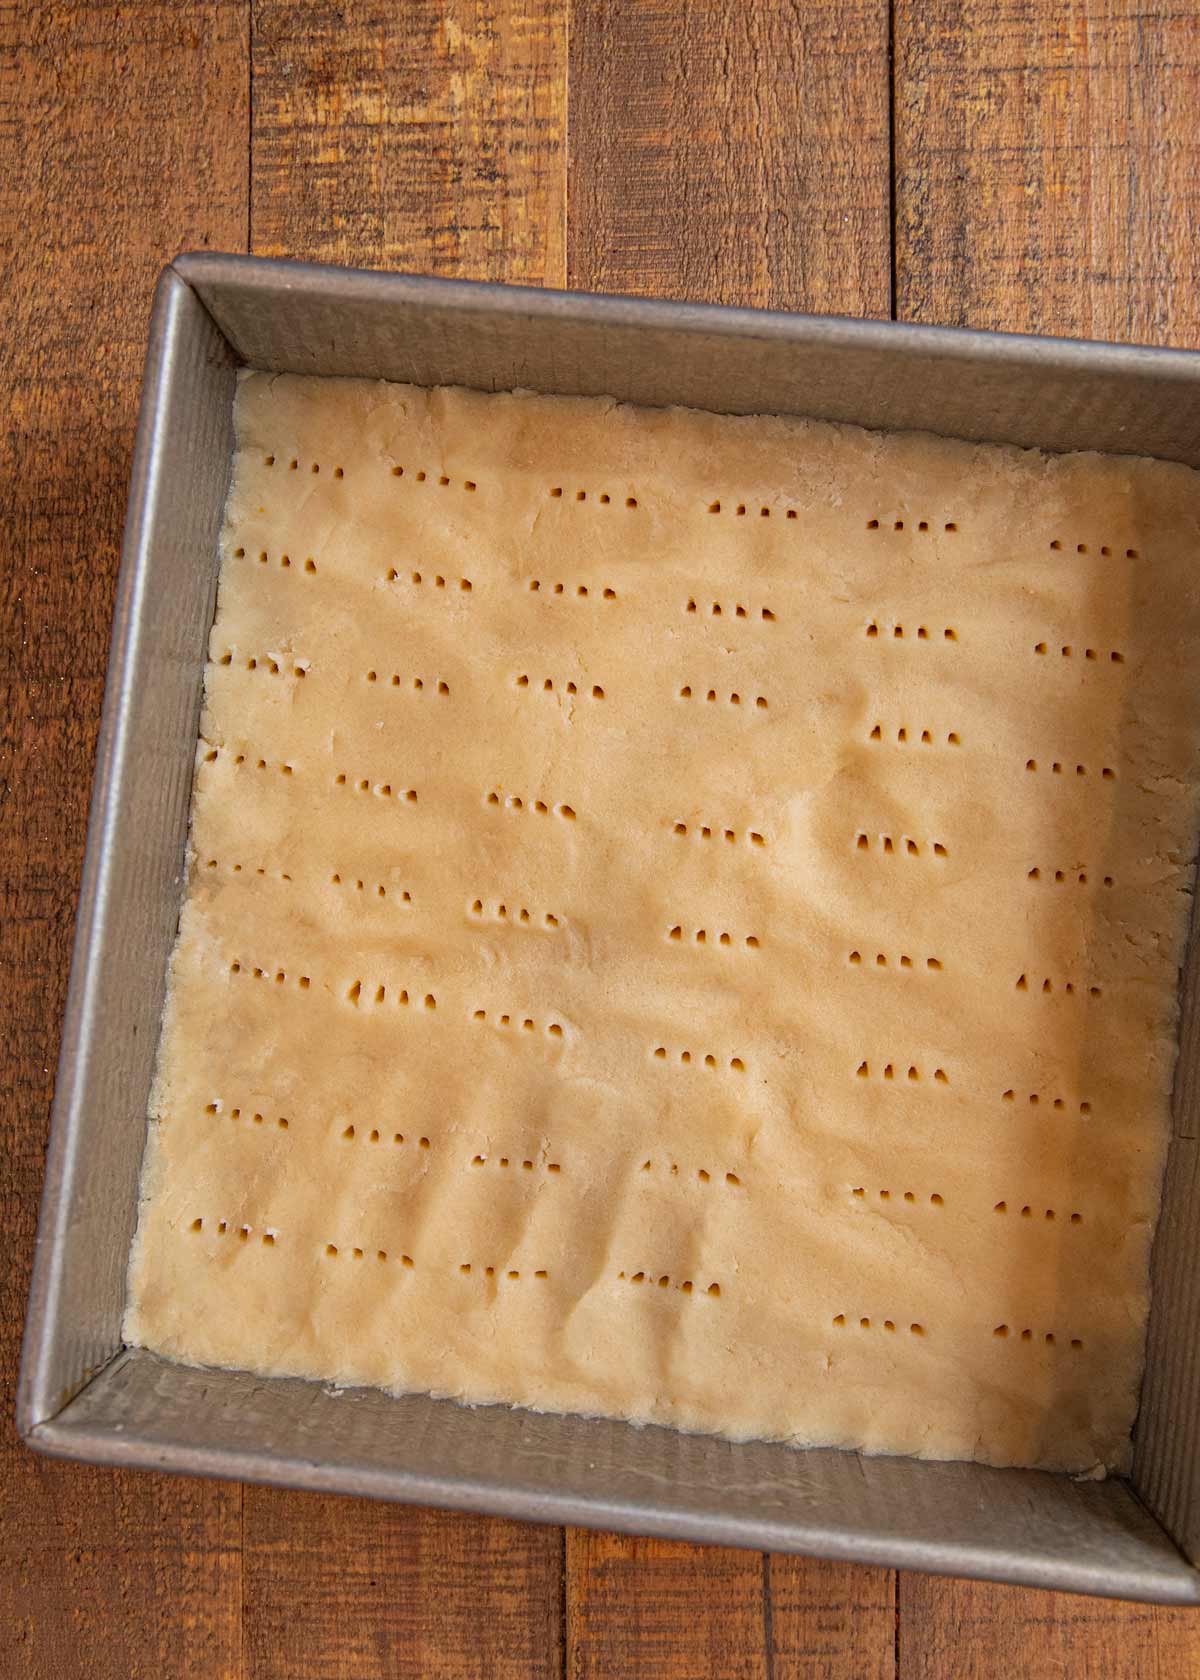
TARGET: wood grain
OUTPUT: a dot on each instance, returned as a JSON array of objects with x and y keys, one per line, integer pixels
[
  {"x": 659, "y": 1609},
  {"x": 1048, "y": 167},
  {"x": 968, "y": 1630},
  {"x": 118, "y": 1576},
  {"x": 429, "y": 137},
  {"x": 731, "y": 153},
  {"x": 830, "y": 1621},
  {"x": 340, "y": 1589},
  {"x": 122, "y": 138}
]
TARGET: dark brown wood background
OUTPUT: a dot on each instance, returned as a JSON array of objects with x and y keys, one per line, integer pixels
[{"x": 1021, "y": 164}]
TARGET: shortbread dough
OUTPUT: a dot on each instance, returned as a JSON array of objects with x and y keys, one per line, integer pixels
[{"x": 683, "y": 922}]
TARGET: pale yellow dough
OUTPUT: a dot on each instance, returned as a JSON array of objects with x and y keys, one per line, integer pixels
[{"x": 683, "y": 922}]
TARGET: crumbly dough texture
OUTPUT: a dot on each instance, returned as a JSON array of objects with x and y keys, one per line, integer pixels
[{"x": 683, "y": 922}]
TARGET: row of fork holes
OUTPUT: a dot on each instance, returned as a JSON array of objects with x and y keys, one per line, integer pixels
[
  {"x": 547, "y": 686},
  {"x": 351, "y": 1132},
  {"x": 708, "y": 1060},
  {"x": 1107, "y": 771},
  {"x": 256, "y": 1118},
  {"x": 1048, "y": 1214},
  {"x": 1082, "y": 548},
  {"x": 285, "y": 560},
  {"x": 881, "y": 961},
  {"x": 380, "y": 891},
  {"x": 332, "y": 1252},
  {"x": 279, "y": 976},
  {"x": 892, "y": 1071},
  {"x": 294, "y": 466},
  {"x": 905, "y": 844},
  {"x": 740, "y": 510},
  {"x": 702, "y": 1173},
  {"x": 417, "y": 683},
  {"x": 716, "y": 610},
  {"x": 442, "y": 480},
  {"x": 253, "y": 663},
  {"x": 921, "y": 525},
  {"x": 239, "y": 759},
  {"x": 506, "y": 1161},
  {"x": 381, "y": 790},
  {"x": 1067, "y": 652},
  {"x": 525, "y": 1023},
  {"x": 512, "y": 1275},
  {"x": 521, "y": 914},
  {"x": 1047, "y": 1337},
  {"x": 910, "y": 1196},
  {"x": 238, "y": 869},
  {"x": 953, "y": 739},
  {"x": 706, "y": 832},
  {"x": 922, "y": 634},
  {"x": 735, "y": 699},
  {"x": 374, "y": 1135},
  {"x": 581, "y": 590},
  {"x": 437, "y": 579},
  {"x": 1077, "y": 878},
  {"x": 840, "y": 1322},
  {"x": 514, "y": 802},
  {"x": 1034, "y": 1099},
  {"x": 700, "y": 937},
  {"x": 687, "y": 1287},
  {"x": 582, "y": 495},
  {"x": 1047, "y": 987},
  {"x": 355, "y": 996},
  {"x": 243, "y": 1232}
]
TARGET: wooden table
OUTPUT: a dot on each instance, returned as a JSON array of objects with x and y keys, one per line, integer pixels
[{"x": 1022, "y": 164}]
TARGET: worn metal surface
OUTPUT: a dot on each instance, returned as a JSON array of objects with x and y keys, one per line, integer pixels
[
  {"x": 966, "y": 1519},
  {"x": 1051, "y": 393},
  {"x": 133, "y": 870}
]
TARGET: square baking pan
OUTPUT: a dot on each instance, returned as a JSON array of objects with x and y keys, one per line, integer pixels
[{"x": 84, "y": 1395}]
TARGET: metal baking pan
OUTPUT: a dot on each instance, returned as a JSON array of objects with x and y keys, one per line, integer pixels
[{"x": 83, "y": 1395}]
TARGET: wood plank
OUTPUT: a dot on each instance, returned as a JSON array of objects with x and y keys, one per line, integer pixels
[
  {"x": 830, "y": 1620},
  {"x": 728, "y": 154},
  {"x": 340, "y": 1589},
  {"x": 1046, "y": 181},
  {"x": 122, "y": 138},
  {"x": 1048, "y": 167},
  {"x": 662, "y": 1610},
  {"x": 118, "y": 1576},
  {"x": 428, "y": 137},
  {"x": 974, "y": 1631},
  {"x": 731, "y": 153},
  {"x": 659, "y": 1608}
]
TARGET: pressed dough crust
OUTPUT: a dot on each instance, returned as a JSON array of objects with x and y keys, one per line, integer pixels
[{"x": 453, "y": 1092}]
